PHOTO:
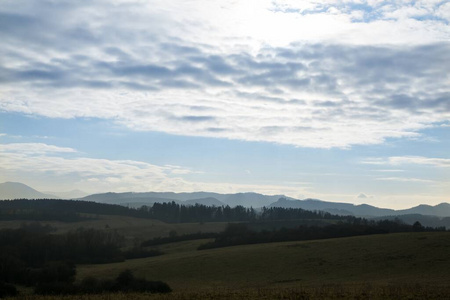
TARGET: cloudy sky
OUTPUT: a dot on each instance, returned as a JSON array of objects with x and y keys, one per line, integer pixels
[{"x": 344, "y": 101}]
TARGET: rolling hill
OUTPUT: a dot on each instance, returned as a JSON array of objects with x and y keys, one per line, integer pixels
[
  {"x": 11, "y": 190},
  {"x": 406, "y": 258},
  {"x": 16, "y": 190},
  {"x": 362, "y": 210},
  {"x": 244, "y": 199}
]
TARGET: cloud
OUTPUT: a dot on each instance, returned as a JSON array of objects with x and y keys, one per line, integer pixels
[
  {"x": 99, "y": 175},
  {"x": 404, "y": 179},
  {"x": 414, "y": 160},
  {"x": 420, "y": 160},
  {"x": 363, "y": 196},
  {"x": 341, "y": 87},
  {"x": 115, "y": 175},
  {"x": 256, "y": 79},
  {"x": 34, "y": 148}
]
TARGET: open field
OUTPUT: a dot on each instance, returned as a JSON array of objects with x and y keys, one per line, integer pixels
[
  {"x": 395, "y": 266},
  {"x": 133, "y": 229},
  {"x": 382, "y": 260},
  {"x": 387, "y": 292},
  {"x": 389, "y": 266}
]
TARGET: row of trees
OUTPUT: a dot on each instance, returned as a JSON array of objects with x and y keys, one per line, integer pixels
[
  {"x": 241, "y": 234},
  {"x": 171, "y": 212},
  {"x": 58, "y": 210}
]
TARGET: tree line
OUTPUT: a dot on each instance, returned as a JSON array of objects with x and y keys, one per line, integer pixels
[
  {"x": 241, "y": 234},
  {"x": 170, "y": 212}
]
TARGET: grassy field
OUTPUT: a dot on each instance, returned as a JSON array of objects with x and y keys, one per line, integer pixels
[
  {"x": 135, "y": 230},
  {"x": 382, "y": 260},
  {"x": 389, "y": 292},
  {"x": 394, "y": 266}
]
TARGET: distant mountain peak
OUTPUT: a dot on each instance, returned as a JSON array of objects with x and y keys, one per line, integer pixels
[{"x": 16, "y": 190}]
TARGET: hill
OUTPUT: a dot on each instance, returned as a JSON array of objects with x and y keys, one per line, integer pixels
[
  {"x": 209, "y": 201},
  {"x": 16, "y": 190},
  {"x": 406, "y": 258},
  {"x": 73, "y": 194},
  {"x": 11, "y": 190},
  {"x": 362, "y": 210},
  {"x": 256, "y": 200},
  {"x": 244, "y": 199},
  {"x": 440, "y": 210}
]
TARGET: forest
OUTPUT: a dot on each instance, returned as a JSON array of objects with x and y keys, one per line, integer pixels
[{"x": 241, "y": 234}]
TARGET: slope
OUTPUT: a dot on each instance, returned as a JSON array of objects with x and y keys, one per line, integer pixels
[
  {"x": 16, "y": 190},
  {"x": 379, "y": 259}
]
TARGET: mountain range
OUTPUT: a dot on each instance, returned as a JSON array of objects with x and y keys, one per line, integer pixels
[
  {"x": 245, "y": 199},
  {"x": 17, "y": 190},
  {"x": 14, "y": 190}
]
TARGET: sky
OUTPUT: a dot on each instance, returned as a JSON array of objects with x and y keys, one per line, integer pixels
[{"x": 345, "y": 101}]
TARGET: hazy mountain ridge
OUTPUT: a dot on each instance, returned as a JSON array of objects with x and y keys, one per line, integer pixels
[
  {"x": 10, "y": 190},
  {"x": 363, "y": 210},
  {"x": 16, "y": 190},
  {"x": 244, "y": 199},
  {"x": 256, "y": 200},
  {"x": 209, "y": 201},
  {"x": 74, "y": 194},
  {"x": 334, "y": 207}
]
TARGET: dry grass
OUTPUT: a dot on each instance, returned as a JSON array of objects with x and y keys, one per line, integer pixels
[
  {"x": 366, "y": 291},
  {"x": 395, "y": 259},
  {"x": 135, "y": 230}
]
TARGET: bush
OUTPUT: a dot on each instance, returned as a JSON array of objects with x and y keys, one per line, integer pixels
[
  {"x": 7, "y": 290},
  {"x": 126, "y": 282}
]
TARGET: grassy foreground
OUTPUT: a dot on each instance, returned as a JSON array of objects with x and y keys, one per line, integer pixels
[
  {"x": 381, "y": 260},
  {"x": 394, "y": 266},
  {"x": 367, "y": 291}
]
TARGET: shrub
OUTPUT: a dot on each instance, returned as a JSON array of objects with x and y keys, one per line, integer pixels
[{"x": 7, "y": 290}]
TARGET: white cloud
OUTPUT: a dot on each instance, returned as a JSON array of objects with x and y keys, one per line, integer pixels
[
  {"x": 299, "y": 95},
  {"x": 415, "y": 160},
  {"x": 300, "y": 73},
  {"x": 101, "y": 175},
  {"x": 405, "y": 179},
  {"x": 420, "y": 160},
  {"x": 34, "y": 148}
]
